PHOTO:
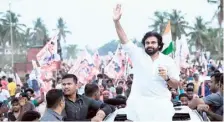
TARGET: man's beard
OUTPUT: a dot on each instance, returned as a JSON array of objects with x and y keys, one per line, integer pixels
[{"x": 151, "y": 51}]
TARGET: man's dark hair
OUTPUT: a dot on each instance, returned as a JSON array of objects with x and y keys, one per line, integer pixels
[
  {"x": 100, "y": 76},
  {"x": 195, "y": 75},
  {"x": 129, "y": 82},
  {"x": 109, "y": 81},
  {"x": 25, "y": 95},
  {"x": 217, "y": 77},
  {"x": 183, "y": 95},
  {"x": 15, "y": 100},
  {"x": 91, "y": 89},
  {"x": 190, "y": 84},
  {"x": 29, "y": 90},
  {"x": 216, "y": 71},
  {"x": 27, "y": 75},
  {"x": 221, "y": 79},
  {"x": 190, "y": 90},
  {"x": 75, "y": 79},
  {"x": 3, "y": 77},
  {"x": 212, "y": 68},
  {"x": 121, "y": 82},
  {"x": 53, "y": 97},
  {"x": 84, "y": 61},
  {"x": 10, "y": 80},
  {"x": 119, "y": 90},
  {"x": 52, "y": 43},
  {"x": 154, "y": 34},
  {"x": 30, "y": 116}
]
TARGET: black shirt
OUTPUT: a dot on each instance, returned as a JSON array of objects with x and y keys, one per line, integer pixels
[
  {"x": 78, "y": 110},
  {"x": 11, "y": 116}
]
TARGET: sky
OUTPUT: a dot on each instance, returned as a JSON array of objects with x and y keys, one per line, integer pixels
[{"x": 90, "y": 21}]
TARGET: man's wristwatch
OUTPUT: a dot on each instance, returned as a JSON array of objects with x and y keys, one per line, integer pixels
[{"x": 168, "y": 79}]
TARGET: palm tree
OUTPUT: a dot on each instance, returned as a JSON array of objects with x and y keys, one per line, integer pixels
[
  {"x": 1, "y": 34},
  {"x": 28, "y": 36},
  {"x": 219, "y": 12},
  {"x": 214, "y": 41},
  {"x": 198, "y": 34},
  {"x": 1, "y": 29},
  {"x": 214, "y": 45},
  {"x": 40, "y": 32},
  {"x": 71, "y": 51},
  {"x": 160, "y": 21},
  {"x": 61, "y": 26},
  {"x": 17, "y": 29},
  {"x": 212, "y": 1},
  {"x": 178, "y": 24}
]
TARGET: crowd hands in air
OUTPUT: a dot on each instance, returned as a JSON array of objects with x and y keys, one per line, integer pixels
[{"x": 68, "y": 100}]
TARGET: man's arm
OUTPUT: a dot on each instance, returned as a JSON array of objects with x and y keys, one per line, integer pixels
[
  {"x": 214, "y": 116},
  {"x": 120, "y": 32},
  {"x": 174, "y": 83},
  {"x": 103, "y": 108},
  {"x": 199, "y": 91},
  {"x": 211, "y": 99},
  {"x": 41, "y": 99},
  {"x": 133, "y": 51},
  {"x": 170, "y": 73},
  {"x": 195, "y": 102}
]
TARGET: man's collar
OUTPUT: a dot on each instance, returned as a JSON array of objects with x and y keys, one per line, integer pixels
[
  {"x": 58, "y": 116},
  {"x": 159, "y": 55},
  {"x": 77, "y": 97}
]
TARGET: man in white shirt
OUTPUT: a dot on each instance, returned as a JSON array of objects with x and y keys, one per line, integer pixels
[
  {"x": 150, "y": 98},
  {"x": 4, "y": 94}
]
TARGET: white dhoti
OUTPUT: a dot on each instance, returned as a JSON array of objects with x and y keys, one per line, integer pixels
[{"x": 149, "y": 109}]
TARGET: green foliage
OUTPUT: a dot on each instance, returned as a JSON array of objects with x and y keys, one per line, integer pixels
[
  {"x": 112, "y": 46},
  {"x": 108, "y": 47},
  {"x": 71, "y": 51},
  {"x": 177, "y": 20},
  {"x": 201, "y": 36}
]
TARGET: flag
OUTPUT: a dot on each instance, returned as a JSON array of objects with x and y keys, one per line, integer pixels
[
  {"x": 168, "y": 46},
  {"x": 48, "y": 58},
  {"x": 34, "y": 64},
  {"x": 87, "y": 57},
  {"x": 181, "y": 52},
  {"x": 96, "y": 59},
  {"x": 17, "y": 80}
]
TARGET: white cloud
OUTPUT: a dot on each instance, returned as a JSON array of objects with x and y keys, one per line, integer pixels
[{"x": 90, "y": 21}]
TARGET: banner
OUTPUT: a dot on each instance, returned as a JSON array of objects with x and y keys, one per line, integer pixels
[{"x": 48, "y": 58}]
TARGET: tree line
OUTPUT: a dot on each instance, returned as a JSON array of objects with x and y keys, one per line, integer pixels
[{"x": 201, "y": 35}]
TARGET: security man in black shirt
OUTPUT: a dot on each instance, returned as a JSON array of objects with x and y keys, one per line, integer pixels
[{"x": 77, "y": 106}]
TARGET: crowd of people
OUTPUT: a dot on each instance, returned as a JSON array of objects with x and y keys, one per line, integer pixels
[{"x": 73, "y": 101}]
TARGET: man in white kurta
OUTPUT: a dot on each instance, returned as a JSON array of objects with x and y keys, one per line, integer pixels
[{"x": 150, "y": 99}]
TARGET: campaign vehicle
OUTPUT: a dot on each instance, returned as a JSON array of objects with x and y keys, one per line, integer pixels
[{"x": 182, "y": 113}]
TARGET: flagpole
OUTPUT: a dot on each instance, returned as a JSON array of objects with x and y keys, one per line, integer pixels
[
  {"x": 118, "y": 46},
  {"x": 11, "y": 35},
  {"x": 126, "y": 65}
]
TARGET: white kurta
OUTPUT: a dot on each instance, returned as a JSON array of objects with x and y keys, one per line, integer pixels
[{"x": 150, "y": 98}]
